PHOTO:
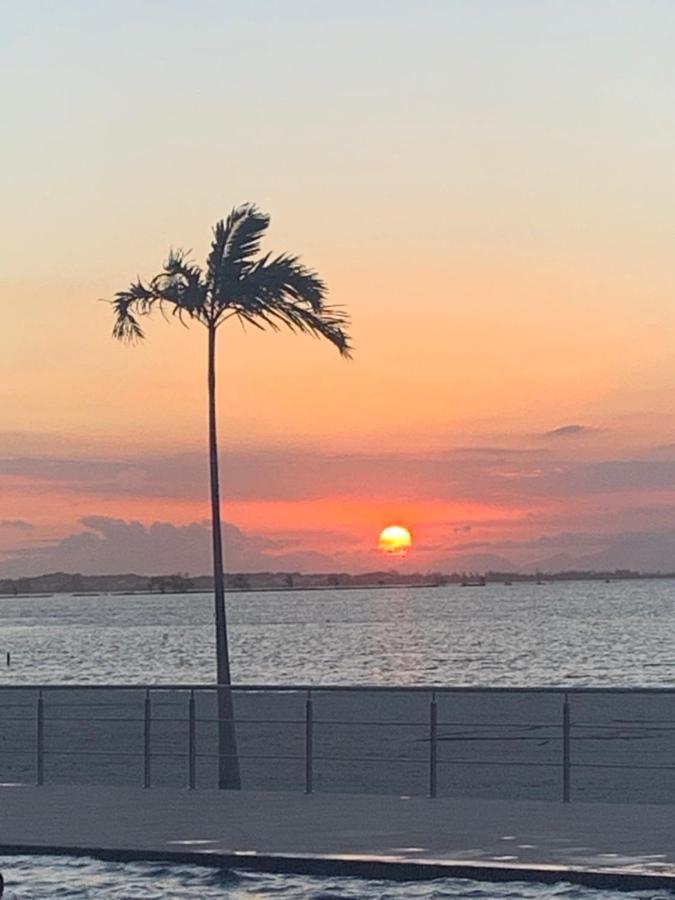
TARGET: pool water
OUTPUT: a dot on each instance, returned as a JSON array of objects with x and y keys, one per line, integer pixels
[{"x": 37, "y": 877}]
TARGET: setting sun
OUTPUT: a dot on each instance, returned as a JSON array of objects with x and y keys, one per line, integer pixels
[{"x": 395, "y": 540}]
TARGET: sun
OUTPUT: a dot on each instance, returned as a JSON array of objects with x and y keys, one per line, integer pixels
[{"x": 395, "y": 540}]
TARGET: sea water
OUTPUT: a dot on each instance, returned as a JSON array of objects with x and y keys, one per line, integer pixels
[
  {"x": 76, "y": 878},
  {"x": 565, "y": 633}
]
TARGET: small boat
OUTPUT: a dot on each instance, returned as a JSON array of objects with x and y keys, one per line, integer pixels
[{"x": 473, "y": 582}]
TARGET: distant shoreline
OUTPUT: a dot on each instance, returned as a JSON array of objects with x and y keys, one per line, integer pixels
[{"x": 507, "y": 579}]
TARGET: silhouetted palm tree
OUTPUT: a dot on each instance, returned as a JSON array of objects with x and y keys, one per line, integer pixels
[{"x": 267, "y": 292}]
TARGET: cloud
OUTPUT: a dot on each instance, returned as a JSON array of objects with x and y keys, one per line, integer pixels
[
  {"x": 615, "y": 475},
  {"x": 491, "y": 475},
  {"x": 498, "y": 452},
  {"x": 107, "y": 545},
  {"x": 280, "y": 475},
  {"x": 568, "y": 431},
  {"x": 309, "y": 536},
  {"x": 16, "y": 524}
]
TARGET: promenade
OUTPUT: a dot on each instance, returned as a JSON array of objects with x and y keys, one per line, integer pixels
[{"x": 586, "y": 843}]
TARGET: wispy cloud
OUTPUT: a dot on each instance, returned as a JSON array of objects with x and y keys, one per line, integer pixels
[
  {"x": 568, "y": 431},
  {"x": 16, "y": 524},
  {"x": 481, "y": 475}
]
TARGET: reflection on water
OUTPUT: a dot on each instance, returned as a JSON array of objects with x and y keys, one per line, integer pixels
[
  {"x": 569, "y": 633},
  {"x": 74, "y": 878}
]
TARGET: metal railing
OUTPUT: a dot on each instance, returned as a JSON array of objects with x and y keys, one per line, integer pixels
[{"x": 540, "y": 738}]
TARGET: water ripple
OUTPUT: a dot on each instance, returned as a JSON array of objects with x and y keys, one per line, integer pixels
[
  {"x": 579, "y": 633},
  {"x": 75, "y": 878}
]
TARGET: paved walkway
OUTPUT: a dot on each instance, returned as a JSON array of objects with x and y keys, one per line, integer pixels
[{"x": 345, "y": 829}]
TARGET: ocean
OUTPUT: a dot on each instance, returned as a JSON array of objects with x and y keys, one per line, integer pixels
[{"x": 565, "y": 633}]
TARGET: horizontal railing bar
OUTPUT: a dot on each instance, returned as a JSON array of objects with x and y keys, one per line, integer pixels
[
  {"x": 92, "y": 753},
  {"x": 293, "y": 722},
  {"x": 346, "y": 688},
  {"x": 504, "y": 763},
  {"x": 30, "y": 718},
  {"x": 418, "y": 760},
  {"x": 165, "y": 754},
  {"x": 618, "y": 726},
  {"x": 481, "y": 724},
  {"x": 245, "y": 756},
  {"x": 320, "y": 758},
  {"x": 181, "y": 719},
  {"x": 368, "y": 724},
  {"x": 80, "y": 704},
  {"x": 622, "y": 766},
  {"x": 370, "y": 759},
  {"x": 500, "y": 738},
  {"x": 156, "y": 719},
  {"x": 19, "y": 705},
  {"x": 178, "y": 754},
  {"x": 244, "y": 721},
  {"x": 393, "y": 723},
  {"x": 655, "y": 729},
  {"x": 50, "y": 720}
]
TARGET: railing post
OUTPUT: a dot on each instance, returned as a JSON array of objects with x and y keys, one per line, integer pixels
[
  {"x": 309, "y": 744},
  {"x": 40, "y": 747},
  {"x": 147, "y": 719},
  {"x": 566, "y": 754},
  {"x": 191, "y": 741},
  {"x": 433, "y": 745}
]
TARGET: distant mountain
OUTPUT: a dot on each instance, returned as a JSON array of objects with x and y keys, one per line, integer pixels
[
  {"x": 560, "y": 562},
  {"x": 642, "y": 552},
  {"x": 478, "y": 562},
  {"x": 637, "y": 551}
]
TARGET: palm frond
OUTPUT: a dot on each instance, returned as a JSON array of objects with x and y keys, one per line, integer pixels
[
  {"x": 236, "y": 241},
  {"x": 285, "y": 278},
  {"x": 180, "y": 283},
  {"x": 330, "y": 323},
  {"x": 129, "y": 304},
  {"x": 243, "y": 231},
  {"x": 283, "y": 292}
]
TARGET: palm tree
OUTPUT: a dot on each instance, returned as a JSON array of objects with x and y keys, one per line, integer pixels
[{"x": 266, "y": 292}]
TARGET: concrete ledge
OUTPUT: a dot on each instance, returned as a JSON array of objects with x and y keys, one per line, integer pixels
[
  {"x": 364, "y": 867},
  {"x": 617, "y": 846}
]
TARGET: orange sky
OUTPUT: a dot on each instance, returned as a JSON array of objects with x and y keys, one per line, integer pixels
[{"x": 491, "y": 197}]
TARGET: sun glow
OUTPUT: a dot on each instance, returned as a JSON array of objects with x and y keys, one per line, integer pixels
[{"x": 395, "y": 540}]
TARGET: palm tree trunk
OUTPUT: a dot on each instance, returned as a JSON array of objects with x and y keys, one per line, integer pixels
[{"x": 228, "y": 760}]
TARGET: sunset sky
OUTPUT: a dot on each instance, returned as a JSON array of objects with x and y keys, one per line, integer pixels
[{"x": 488, "y": 187}]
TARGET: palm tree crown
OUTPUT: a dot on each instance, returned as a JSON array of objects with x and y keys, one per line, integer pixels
[{"x": 268, "y": 291}]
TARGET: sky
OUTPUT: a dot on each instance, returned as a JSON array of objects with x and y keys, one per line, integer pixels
[{"x": 488, "y": 187}]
